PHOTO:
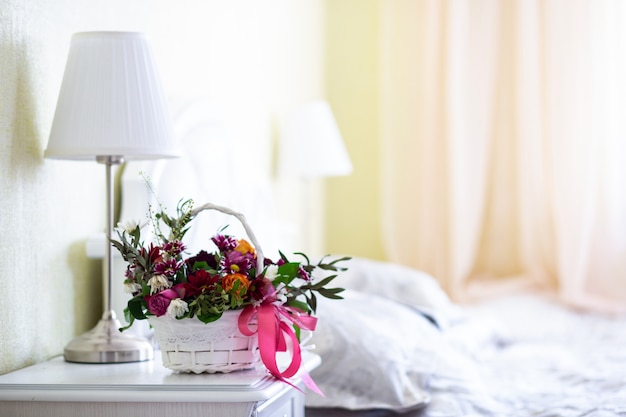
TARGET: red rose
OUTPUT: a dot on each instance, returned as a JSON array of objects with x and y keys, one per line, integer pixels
[{"x": 158, "y": 303}]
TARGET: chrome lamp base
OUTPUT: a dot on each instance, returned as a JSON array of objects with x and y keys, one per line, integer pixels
[{"x": 106, "y": 344}]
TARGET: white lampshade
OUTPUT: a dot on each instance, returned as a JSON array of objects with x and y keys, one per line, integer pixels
[
  {"x": 312, "y": 145},
  {"x": 111, "y": 101}
]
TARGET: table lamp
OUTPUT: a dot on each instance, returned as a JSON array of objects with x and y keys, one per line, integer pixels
[
  {"x": 313, "y": 146},
  {"x": 111, "y": 107}
]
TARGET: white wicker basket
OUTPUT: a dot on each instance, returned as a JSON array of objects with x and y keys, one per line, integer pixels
[{"x": 189, "y": 345}]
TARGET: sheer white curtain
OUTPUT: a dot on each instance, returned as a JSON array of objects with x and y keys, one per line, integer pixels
[{"x": 504, "y": 144}]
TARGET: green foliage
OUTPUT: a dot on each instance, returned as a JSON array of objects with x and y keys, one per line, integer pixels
[
  {"x": 178, "y": 226},
  {"x": 209, "y": 306},
  {"x": 223, "y": 280},
  {"x": 290, "y": 270}
]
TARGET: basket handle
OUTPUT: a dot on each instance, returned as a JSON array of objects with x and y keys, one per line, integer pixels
[{"x": 260, "y": 259}]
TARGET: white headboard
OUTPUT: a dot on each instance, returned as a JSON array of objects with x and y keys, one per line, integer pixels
[{"x": 213, "y": 168}]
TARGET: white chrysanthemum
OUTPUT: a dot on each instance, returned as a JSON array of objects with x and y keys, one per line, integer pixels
[
  {"x": 157, "y": 283},
  {"x": 131, "y": 287},
  {"x": 281, "y": 294},
  {"x": 128, "y": 226},
  {"x": 177, "y": 308},
  {"x": 272, "y": 272}
]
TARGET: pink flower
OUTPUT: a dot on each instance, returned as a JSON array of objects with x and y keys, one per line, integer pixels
[
  {"x": 237, "y": 262},
  {"x": 303, "y": 274},
  {"x": 158, "y": 303},
  {"x": 224, "y": 243},
  {"x": 174, "y": 248},
  {"x": 168, "y": 267}
]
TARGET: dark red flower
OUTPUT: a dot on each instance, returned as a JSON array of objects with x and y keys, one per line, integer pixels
[
  {"x": 262, "y": 290},
  {"x": 202, "y": 256},
  {"x": 202, "y": 278},
  {"x": 152, "y": 254},
  {"x": 196, "y": 283}
]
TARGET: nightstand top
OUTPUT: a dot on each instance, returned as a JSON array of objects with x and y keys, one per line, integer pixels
[{"x": 58, "y": 380}]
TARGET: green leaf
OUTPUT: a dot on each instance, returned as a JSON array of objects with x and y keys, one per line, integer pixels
[
  {"x": 208, "y": 318},
  {"x": 200, "y": 265},
  {"x": 289, "y": 269},
  {"x": 312, "y": 300},
  {"x": 323, "y": 282},
  {"x": 145, "y": 288},
  {"x": 297, "y": 331},
  {"x": 331, "y": 266},
  {"x": 299, "y": 304},
  {"x": 129, "y": 318},
  {"x": 135, "y": 307},
  {"x": 304, "y": 256},
  {"x": 286, "y": 273},
  {"x": 331, "y": 293}
]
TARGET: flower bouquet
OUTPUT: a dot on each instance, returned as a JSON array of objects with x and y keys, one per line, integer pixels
[{"x": 224, "y": 309}]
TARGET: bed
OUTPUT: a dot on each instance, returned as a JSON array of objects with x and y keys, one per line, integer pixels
[
  {"x": 421, "y": 355},
  {"x": 397, "y": 345}
]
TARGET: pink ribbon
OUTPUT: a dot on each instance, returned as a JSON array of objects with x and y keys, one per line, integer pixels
[{"x": 274, "y": 328}]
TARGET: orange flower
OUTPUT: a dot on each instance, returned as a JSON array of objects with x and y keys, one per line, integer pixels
[
  {"x": 228, "y": 282},
  {"x": 243, "y": 247}
]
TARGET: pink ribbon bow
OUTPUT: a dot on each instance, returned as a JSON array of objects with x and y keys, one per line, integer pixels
[{"x": 274, "y": 328}]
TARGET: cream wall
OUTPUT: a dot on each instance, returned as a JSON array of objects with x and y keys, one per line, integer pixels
[
  {"x": 353, "y": 208},
  {"x": 258, "y": 59}
]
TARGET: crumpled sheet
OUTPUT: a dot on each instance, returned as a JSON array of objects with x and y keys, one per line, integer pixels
[
  {"x": 525, "y": 355},
  {"x": 522, "y": 356}
]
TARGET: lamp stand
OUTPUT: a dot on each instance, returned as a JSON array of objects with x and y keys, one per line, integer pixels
[{"x": 105, "y": 343}]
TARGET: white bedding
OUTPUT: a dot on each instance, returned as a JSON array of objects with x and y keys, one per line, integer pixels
[
  {"x": 521, "y": 355},
  {"x": 534, "y": 357}
]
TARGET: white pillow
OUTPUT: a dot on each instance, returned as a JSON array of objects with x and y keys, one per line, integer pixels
[
  {"x": 376, "y": 353},
  {"x": 399, "y": 283}
]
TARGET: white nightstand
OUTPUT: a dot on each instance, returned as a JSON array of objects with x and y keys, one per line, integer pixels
[{"x": 58, "y": 388}]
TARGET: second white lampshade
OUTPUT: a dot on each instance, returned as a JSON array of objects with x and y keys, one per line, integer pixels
[{"x": 312, "y": 143}]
